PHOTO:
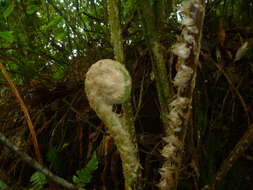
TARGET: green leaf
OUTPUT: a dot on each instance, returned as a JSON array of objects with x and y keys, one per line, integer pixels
[
  {"x": 65, "y": 145},
  {"x": 59, "y": 74},
  {"x": 59, "y": 36},
  {"x": 3, "y": 186},
  {"x": 31, "y": 9},
  {"x": 84, "y": 176},
  {"x": 52, "y": 155},
  {"x": 13, "y": 66},
  {"x": 53, "y": 23},
  {"x": 8, "y": 36},
  {"x": 38, "y": 180},
  {"x": 9, "y": 9}
]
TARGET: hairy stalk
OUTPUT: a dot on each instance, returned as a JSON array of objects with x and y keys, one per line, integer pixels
[
  {"x": 180, "y": 108},
  {"x": 115, "y": 28},
  {"x": 159, "y": 68},
  {"x": 108, "y": 82},
  {"x": 117, "y": 42}
]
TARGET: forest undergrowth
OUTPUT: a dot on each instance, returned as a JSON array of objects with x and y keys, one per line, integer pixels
[{"x": 70, "y": 136}]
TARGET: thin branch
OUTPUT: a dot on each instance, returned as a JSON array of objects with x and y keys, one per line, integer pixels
[
  {"x": 245, "y": 141},
  {"x": 92, "y": 17},
  {"x": 81, "y": 116},
  {"x": 25, "y": 157},
  {"x": 25, "y": 111},
  {"x": 244, "y": 105},
  {"x": 164, "y": 91},
  {"x": 42, "y": 54}
]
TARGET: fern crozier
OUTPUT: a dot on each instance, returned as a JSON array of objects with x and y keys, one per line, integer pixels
[{"x": 109, "y": 81}]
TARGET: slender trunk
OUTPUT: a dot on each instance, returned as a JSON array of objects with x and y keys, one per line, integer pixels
[{"x": 158, "y": 63}]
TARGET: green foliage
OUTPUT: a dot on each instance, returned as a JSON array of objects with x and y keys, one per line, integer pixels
[
  {"x": 38, "y": 181},
  {"x": 52, "y": 24},
  {"x": 84, "y": 176},
  {"x": 3, "y": 186},
  {"x": 32, "y": 9},
  {"x": 9, "y": 9},
  {"x": 52, "y": 155},
  {"x": 59, "y": 36},
  {"x": 7, "y": 36},
  {"x": 58, "y": 72},
  {"x": 41, "y": 39}
]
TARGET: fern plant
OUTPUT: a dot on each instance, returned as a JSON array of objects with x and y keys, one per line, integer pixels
[
  {"x": 84, "y": 176},
  {"x": 3, "y": 186},
  {"x": 53, "y": 155},
  {"x": 38, "y": 181}
]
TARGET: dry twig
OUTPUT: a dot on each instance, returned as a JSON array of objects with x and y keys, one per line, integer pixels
[
  {"x": 25, "y": 157},
  {"x": 25, "y": 111}
]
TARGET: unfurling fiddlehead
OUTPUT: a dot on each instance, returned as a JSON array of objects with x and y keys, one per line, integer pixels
[{"x": 108, "y": 82}]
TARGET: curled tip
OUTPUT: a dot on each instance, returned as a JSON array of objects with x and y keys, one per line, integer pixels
[{"x": 108, "y": 81}]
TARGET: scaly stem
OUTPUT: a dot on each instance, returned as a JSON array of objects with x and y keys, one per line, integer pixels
[{"x": 180, "y": 113}]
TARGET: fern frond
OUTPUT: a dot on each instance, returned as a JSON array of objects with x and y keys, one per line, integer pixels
[
  {"x": 52, "y": 155},
  {"x": 3, "y": 186},
  {"x": 84, "y": 176},
  {"x": 38, "y": 181}
]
